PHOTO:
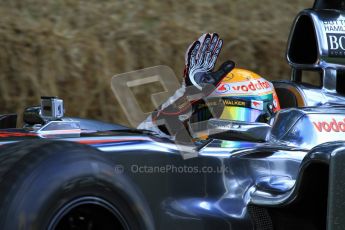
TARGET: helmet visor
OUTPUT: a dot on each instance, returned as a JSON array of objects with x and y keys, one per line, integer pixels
[{"x": 240, "y": 113}]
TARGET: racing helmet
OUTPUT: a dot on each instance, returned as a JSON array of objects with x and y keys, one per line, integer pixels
[{"x": 241, "y": 96}]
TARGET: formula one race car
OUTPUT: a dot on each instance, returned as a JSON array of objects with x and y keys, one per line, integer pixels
[{"x": 71, "y": 173}]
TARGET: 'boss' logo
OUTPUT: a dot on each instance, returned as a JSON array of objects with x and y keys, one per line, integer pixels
[{"x": 336, "y": 44}]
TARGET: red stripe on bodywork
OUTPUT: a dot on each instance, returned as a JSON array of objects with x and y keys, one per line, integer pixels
[{"x": 17, "y": 134}]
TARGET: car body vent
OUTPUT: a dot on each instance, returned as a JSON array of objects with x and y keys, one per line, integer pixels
[{"x": 260, "y": 217}]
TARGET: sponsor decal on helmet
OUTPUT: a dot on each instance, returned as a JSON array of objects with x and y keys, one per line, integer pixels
[
  {"x": 223, "y": 88},
  {"x": 257, "y": 105},
  {"x": 208, "y": 104},
  {"x": 330, "y": 126},
  {"x": 259, "y": 86},
  {"x": 276, "y": 106},
  {"x": 229, "y": 102}
]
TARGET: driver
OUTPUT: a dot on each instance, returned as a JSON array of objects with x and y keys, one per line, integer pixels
[{"x": 228, "y": 93}]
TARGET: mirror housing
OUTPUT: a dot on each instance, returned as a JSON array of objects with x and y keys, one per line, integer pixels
[
  {"x": 317, "y": 43},
  {"x": 317, "y": 40}
]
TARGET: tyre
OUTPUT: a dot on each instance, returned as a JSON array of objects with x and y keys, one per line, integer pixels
[{"x": 64, "y": 185}]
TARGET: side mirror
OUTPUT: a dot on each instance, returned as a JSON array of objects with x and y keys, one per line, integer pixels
[
  {"x": 231, "y": 130},
  {"x": 317, "y": 39},
  {"x": 317, "y": 43}
]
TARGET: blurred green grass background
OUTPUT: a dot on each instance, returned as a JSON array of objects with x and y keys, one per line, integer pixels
[{"x": 71, "y": 48}]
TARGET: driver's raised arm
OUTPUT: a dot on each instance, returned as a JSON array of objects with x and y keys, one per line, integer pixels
[{"x": 199, "y": 81}]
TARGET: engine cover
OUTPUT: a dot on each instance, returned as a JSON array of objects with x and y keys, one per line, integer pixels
[{"x": 309, "y": 127}]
